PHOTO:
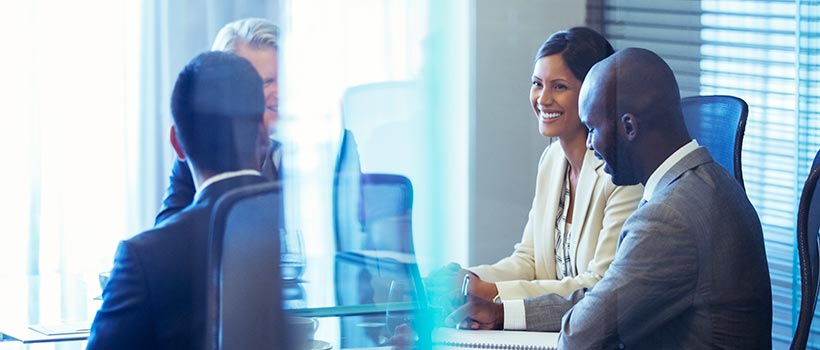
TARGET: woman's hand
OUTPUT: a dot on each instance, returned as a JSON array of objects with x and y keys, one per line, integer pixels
[
  {"x": 445, "y": 279},
  {"x": 449, "y": 278}
]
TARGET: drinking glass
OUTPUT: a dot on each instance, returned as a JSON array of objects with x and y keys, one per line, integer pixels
[
  {"x": 292, "y": 261},
  {"x": 103, "y": 278},
  {"x": 399, "y": 293},
  {"x": 293, "y": 295}
]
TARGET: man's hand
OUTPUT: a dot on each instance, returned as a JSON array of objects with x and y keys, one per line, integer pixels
[
  {"x": 477, "y": 313},
  {"x": 481, "y": 289}
]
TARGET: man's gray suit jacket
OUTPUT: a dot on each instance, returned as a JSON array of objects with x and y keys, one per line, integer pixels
[{"x": 690, "y": 273}]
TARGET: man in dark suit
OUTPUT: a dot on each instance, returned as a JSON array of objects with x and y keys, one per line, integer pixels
[
  {"x": 690, "y": 271},
  {"x": 255, "y": 39},
  {"x": 155, "y": 298}
]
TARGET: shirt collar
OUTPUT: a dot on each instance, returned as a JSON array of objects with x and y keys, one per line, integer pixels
[
  {"x": 224, "y": 176},
  {"x": 673, "y": 159},
  {"x": 276, "y": 152}
]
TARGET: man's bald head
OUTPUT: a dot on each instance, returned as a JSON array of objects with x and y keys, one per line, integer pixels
[
  {"x": 639, "y": 82},
  {"x": 633, "y": 96}
]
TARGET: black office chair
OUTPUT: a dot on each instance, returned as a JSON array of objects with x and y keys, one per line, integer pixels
[
  {"x": 718, "y": 123},
  {"x": 348, "y": 213},
  {"x": 361, "y": 280},
  {"x": 808, "y": 223},
  {"x": 376, "y": 251},
  {"x": 381, "y": 218},
  {"x": 387, "y": 201},
  {"x": 244, "y": 292}
]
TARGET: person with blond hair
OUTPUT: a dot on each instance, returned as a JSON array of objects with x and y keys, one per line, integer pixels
[{"x": 254, "y": 39}]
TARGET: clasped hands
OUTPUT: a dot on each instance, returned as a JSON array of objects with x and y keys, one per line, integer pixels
[{"x": 478, "y": 311}]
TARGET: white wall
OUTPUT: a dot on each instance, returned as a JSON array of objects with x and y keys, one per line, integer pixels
[{"x": 505, "y": 143}]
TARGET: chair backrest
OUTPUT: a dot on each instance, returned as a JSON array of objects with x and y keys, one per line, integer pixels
[
  {"x": 383, "y": 220},
  {"x": 244, "y": 296},
  {"x": 348, "y": 212},
  {"x": 718, "y": 123},
  {"x": 392, "y": 127},
  {"x": 378, "y": 252},
  {"x": 387, "y": 201},
  {"x": 385, "y": 118},
  {"x": 808, "y": 223}
]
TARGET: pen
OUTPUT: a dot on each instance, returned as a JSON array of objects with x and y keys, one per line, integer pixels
[{"x": 465, "y": 287}]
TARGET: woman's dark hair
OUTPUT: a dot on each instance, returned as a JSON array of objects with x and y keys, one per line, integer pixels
[{"x": 580, "y": 47}]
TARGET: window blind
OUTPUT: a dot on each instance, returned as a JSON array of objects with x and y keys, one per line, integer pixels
[
  {"x": 747, "y": 49},
  {"x": 808, "y": 111}
]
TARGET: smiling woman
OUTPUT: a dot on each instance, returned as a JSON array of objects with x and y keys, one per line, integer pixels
[
  {"x": 569, "y": 240},
  {"x": 69, "y": 93}
]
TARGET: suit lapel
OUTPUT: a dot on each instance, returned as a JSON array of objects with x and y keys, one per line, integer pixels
[
  {"x": 554, "y": 184},
  {"x": 269, "y": 169},
  {"x": 587, "y": 182},
  {"x": 699, "y": 156}
]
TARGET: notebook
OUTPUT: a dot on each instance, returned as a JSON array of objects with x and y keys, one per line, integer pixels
[
  {"x": 62, "y": 328},
  {"x": 46, "y": 332},
  {"x": 469, "y": 339}
]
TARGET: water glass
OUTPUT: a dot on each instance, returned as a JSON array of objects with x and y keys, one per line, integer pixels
[
  {"x": 292, "y": 262},
  {"x": 399, "y": 293}
]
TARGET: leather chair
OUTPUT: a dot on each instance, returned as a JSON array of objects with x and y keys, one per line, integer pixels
[
  {"x": 808, "y": 223},
  {"x": 377, "y": 251},
  {"x": 718, "y": 123},
  {"x": 244, "y": 292},
  {"x": 347, "y": 196},
  {"x": 381, "y": 218},
  {"x": 387, "y": 201}
]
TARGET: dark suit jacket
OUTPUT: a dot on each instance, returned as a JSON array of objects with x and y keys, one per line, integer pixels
[
  {"x": 690, "y": 272},
  {"x": 155, "y": 298},
  {"x": 181, "y": 190}
]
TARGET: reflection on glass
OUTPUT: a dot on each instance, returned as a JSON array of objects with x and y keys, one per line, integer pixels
[
  {"x": 400, "y": 291},
  {"x": 293, "y": 296},
  {"x": 293, "y": 256}
]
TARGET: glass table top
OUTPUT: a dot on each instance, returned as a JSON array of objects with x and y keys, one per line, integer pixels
[{"x": 358, "y": 298}]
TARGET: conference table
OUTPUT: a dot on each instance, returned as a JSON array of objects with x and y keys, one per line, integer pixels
[
  {"x": 358, "y": 299},
  {"x": 48, "y": 300}
]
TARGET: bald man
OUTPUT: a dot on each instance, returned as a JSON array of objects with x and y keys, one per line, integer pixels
[{"x": 690, "y": 271}]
